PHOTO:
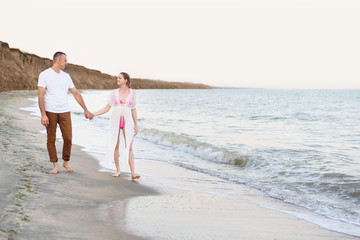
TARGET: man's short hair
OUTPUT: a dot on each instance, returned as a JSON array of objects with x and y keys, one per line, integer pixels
[{"x": 57, "y": 55}]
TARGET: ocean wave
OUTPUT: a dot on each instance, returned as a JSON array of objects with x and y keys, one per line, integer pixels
[
  {"x": 188, "y": 144},
  {"x": 77, "y": 113}
]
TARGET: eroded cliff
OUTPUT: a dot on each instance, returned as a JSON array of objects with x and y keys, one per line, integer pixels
[{"x": 20, "y": 70}]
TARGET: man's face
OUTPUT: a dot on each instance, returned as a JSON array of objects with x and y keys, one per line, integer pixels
[{"x": 62, "y": 61}]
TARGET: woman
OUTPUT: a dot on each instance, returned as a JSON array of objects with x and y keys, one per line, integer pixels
[{"x": 123, "y": 122}]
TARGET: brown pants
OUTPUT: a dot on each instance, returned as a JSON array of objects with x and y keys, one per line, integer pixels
[{"x": 64, "y": 121}]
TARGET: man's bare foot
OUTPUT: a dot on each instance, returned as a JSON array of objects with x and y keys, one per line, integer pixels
[
  {"x": 135, "y": 177},
  {"x": 117, "y": 174},
  {"x": 67, "y": 167},
  {"x": 54, "y": 171}
]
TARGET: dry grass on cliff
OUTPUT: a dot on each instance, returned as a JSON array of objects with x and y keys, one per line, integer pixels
[
  {"x": 139, "y": 83},
  {"x": 19, "y": 70}
]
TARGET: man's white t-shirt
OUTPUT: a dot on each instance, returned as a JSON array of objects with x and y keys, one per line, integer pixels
[{"x": 57, "y": 86}]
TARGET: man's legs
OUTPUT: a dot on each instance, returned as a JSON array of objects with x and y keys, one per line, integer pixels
[
  {"x": 66, "y": 130},
  {"x": 51, "y": 138}
]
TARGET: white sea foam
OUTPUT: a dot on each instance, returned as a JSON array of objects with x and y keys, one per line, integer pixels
[{"x": 286, "y": 144}]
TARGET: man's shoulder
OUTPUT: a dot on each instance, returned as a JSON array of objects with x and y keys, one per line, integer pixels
[{"x": 46, "y": 71}]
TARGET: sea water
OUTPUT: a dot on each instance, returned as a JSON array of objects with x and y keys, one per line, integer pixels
[{"x": 300, "y": 147}]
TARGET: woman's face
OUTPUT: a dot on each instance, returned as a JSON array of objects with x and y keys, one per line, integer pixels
[{"x": 121, "y": 80}]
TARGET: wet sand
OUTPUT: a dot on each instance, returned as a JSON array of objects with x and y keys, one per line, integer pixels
[
  {"x": 37, "y": 205},
  {"x": 88, "y": 204}
]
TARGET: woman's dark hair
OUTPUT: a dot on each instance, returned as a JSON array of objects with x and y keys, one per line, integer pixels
[{"x": 127, "y": 77}]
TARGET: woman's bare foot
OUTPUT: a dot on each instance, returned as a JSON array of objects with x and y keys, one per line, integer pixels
[
  {"x": 117, "y": 174},
  {"x": 54, "y": 171},
  {"x": 67, "y": 167},
  {"x": 135, "y": 177}
]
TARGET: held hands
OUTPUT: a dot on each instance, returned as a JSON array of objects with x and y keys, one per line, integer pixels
[{"x": 88, "y": 115}]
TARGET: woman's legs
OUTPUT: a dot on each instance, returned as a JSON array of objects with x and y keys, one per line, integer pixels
[
  {"x": 116, "y": 157},
  {"x": 132, "y": 163},
  {"x": 122, "y": 126}
]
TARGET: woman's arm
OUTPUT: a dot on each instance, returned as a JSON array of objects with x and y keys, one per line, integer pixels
[
  {"x": 134, "y": 115},
  {"x": 103, "y": 110}
]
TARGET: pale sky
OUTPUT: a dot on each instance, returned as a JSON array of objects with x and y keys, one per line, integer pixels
[{"x": 238, "y": 43}]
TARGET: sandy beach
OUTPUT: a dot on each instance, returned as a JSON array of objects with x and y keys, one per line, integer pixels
[
  {"x": 89, "y": 204},
  {"x": 38, "y": 205}
]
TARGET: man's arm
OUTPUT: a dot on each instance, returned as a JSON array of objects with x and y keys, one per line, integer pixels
[
  {"x": 44, "y": 118},
  {"x": 80, "y": 100}
]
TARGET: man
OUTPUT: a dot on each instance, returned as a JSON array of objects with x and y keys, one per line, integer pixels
[{"x": 53, "y": 86}]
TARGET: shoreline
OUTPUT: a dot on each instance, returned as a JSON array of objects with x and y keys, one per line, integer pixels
[
  {"x": 39, "y": 205},
  {"x": 91, "y": 199}
]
